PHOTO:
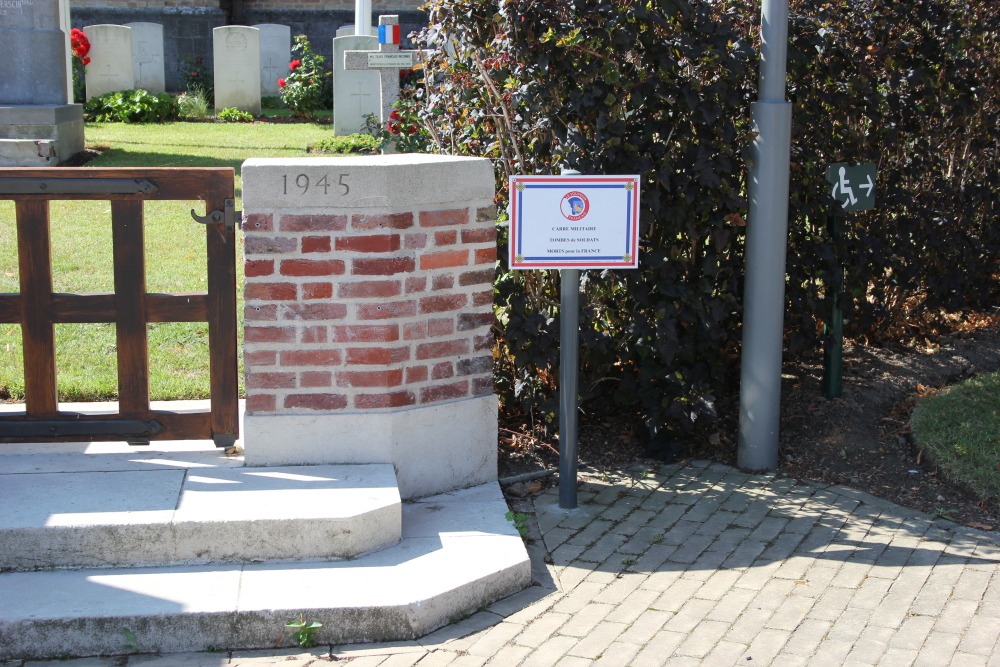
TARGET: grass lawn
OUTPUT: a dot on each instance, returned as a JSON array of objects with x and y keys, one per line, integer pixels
[
  {"x": 175, "y": 255},
  {"x": 959, "y": 428}
]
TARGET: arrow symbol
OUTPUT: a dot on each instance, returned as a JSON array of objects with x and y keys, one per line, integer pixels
[{"x": 870, "y": 185}]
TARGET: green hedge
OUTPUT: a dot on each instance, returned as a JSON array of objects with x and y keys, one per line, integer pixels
[{"x": 663, "y": 88}]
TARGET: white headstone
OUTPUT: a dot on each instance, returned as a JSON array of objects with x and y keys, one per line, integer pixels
[
  {"x": 275, "y": 54},
  {"x": 237, "y": 68},
  {"x": 110, "y": 65},
  {"x": 355, "y": 93},
  {"x": 147, "y": 56},
  {"x": 347, "y": 30}
]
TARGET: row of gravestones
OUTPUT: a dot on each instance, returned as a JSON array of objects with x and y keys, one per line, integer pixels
[{"x": 248, "y": 61}]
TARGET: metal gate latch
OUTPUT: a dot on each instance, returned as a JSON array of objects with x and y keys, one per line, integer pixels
[{"x": 230, "y": 216}]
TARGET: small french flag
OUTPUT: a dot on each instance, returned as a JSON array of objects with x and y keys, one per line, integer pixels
[{"x": 388, "y": 34}]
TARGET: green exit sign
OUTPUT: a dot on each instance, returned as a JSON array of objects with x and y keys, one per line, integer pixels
[{"x": 852, "y": 185}]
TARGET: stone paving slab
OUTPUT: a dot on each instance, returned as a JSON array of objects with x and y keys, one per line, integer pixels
[{"x": 706, "y": 565}]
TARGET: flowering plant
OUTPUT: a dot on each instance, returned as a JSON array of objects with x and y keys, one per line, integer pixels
[
  {"x": 196, "y": 77},
  {"x": 307, "y": 87},
  {"x": 81, "y": 48}
]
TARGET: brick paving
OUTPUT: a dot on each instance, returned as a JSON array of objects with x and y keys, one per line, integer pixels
[{"x": 706, "y": 565}]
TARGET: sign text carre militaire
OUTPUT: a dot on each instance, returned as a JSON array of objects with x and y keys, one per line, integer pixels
[{"x": 574, "y": 222}]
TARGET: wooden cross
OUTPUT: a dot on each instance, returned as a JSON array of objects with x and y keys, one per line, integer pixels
[{"x": 388, "y": 60}]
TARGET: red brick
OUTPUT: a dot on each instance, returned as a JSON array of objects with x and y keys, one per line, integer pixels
[
  {"x": 376, "y": 243},
  {"x": 444, "y": 392},
  {"x": 485, "y": 256},
  {"x": 415, "y": 330},
  {"x": 441, "y": 304},
  {"x": 367, "y": 289},
  {"x": 417, "y": 284},
  {"x": 310, "y": 358},
  {"x": 258, "y": 267},
  {"x": 317, "y": 290},
  {"x": 368, "y": 333},
  {"x": 383, "y": 266},
  {"x": 482, "y": 298},
  {"x": 416, "y": 374},
  {"x": 482, "y": 386},
  {"x": 442, "y": 349},
  {"x": 260, "y": 402},
  {"x": 438, "y": 218},
  {"x": 267, "y": 313},
  {"x": 311, "y": 335},
  {"x": 475, "y": 366},
  {"x": 387, "y": 221},
  {"x": 315, "y": 244},
  {"x": 442, "y": 281},
  {"x": 314, "y": 379},
  {"x": 270, "y": 291},
  {"x": 444, "y": 326},
  {"x": 269, "y": 334},
  {"x": 270, "y": 380},
  {"x": 483, "y": 235},
  {"x": 380, "y": 378},
  {"x": 377, "y": 355},
  {"x": 313, "y": 223},
  {"x": 442, "y": 370},
  {"x": 261, "y": 358},
  {"x": 415, "y": 241},
  {"x": 388, "y": 310},
  {"x": 257, "y": 222},
  {"x": 316, "y": 401},
  {"x": 315, "y": 311},
  {"x": 396, "y": 399},
  {"x": 483, "y": 342},
  {"x": 442, "y": 260},
  {"x": 281, "y": 245},
  {"x": 483, "y": 277},
  {"x": 447, "y": 237},
  {"x": 469, "y": 321},
  {"x": 312, "y": 267}
]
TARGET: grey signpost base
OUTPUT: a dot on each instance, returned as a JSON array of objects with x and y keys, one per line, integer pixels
[{"x": 569, "y": 362}]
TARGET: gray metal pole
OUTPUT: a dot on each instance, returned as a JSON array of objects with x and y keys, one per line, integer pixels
[
  {"x": 569, "y": 370},
  {"x": 767, "y": 238},
  {"x": 569, "y": 362}
]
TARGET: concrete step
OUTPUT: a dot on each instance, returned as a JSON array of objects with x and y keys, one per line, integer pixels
[
  {"x": 156, "y": 511},
  {"x": 458, "y": 553}
]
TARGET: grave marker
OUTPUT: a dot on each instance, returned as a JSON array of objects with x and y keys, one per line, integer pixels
[
  {"x": 237, "y": 68},
  {"x": 110, "y": 67},
  {"x": 275, "y": 54},
  {"x": 147, "y": 56},
  {"x": 355, "y": 92}
]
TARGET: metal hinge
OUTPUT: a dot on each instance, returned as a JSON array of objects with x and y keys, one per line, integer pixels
[
  {"x": 229, "y": 216},
  {"x": 76, "y": 186}
]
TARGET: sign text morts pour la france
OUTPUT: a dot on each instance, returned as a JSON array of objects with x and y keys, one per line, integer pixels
[{"x": 574, "y": 222}]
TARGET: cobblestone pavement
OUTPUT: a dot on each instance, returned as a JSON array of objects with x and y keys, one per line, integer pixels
[{"x": 705, "y": 565}]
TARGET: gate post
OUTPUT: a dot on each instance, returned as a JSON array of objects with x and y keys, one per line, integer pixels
[{"x": 369, "y": 306}]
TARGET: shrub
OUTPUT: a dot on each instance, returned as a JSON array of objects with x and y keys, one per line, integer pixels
[
  {"x": 234, "y": 115},
  {"x": 352, "y": 143},
  {"x": 197, "y": 76},
  {"x": 307, "y": 87},
  {"x": 81, "y": 48},
  {"x": 132, "y": 106},
  {"x": 193, "y": 104}
]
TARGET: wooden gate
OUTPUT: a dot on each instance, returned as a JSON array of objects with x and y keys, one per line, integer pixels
[{"x": 37, "y": 309}]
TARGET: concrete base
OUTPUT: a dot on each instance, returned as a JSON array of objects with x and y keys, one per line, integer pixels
[
  {"x": 40, "y": 135},
  {"x": 434, "y": 449}
]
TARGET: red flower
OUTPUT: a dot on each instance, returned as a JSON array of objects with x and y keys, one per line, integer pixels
[
  {"x": 86, "y": 61},
  {"x": 393, "y": 123},
  {"x": 281, "y": 83},
  {"x": 79, "y": 43},
  {"x": 294, "y": 64}
]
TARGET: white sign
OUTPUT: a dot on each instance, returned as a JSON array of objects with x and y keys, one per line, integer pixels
[
  {"x": 399, "y": 60},
  {"x": 574, "y": 222}
]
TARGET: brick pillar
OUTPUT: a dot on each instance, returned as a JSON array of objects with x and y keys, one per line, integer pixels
[{"x": 369, "y": 300}]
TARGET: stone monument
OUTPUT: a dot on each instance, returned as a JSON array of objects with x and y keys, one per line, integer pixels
[
  {"x": 237, "y": 68},
  {"x": 355, "y": 92},
  {"x": 38, "y": 124},
  {"x": 275, "y": 54},
  {"x": 147, "y": 56},
  {"x": 110, "y": 67},
  {"x": 369, "y": 307}
]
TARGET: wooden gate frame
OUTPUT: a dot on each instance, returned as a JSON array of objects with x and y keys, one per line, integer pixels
[{"x": 37, "y": 309}]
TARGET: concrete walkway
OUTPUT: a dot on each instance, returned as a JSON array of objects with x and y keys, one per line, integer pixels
[{"x": 705, "y": 565}]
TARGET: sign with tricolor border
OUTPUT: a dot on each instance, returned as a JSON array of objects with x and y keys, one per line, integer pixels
[{"x": 574, "y": 222}]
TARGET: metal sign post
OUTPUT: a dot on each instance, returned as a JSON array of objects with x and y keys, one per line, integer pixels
[{"x": 572, "y": 222}]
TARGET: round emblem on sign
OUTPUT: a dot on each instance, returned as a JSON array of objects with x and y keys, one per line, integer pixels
[{"x": 574, "y": 205}]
